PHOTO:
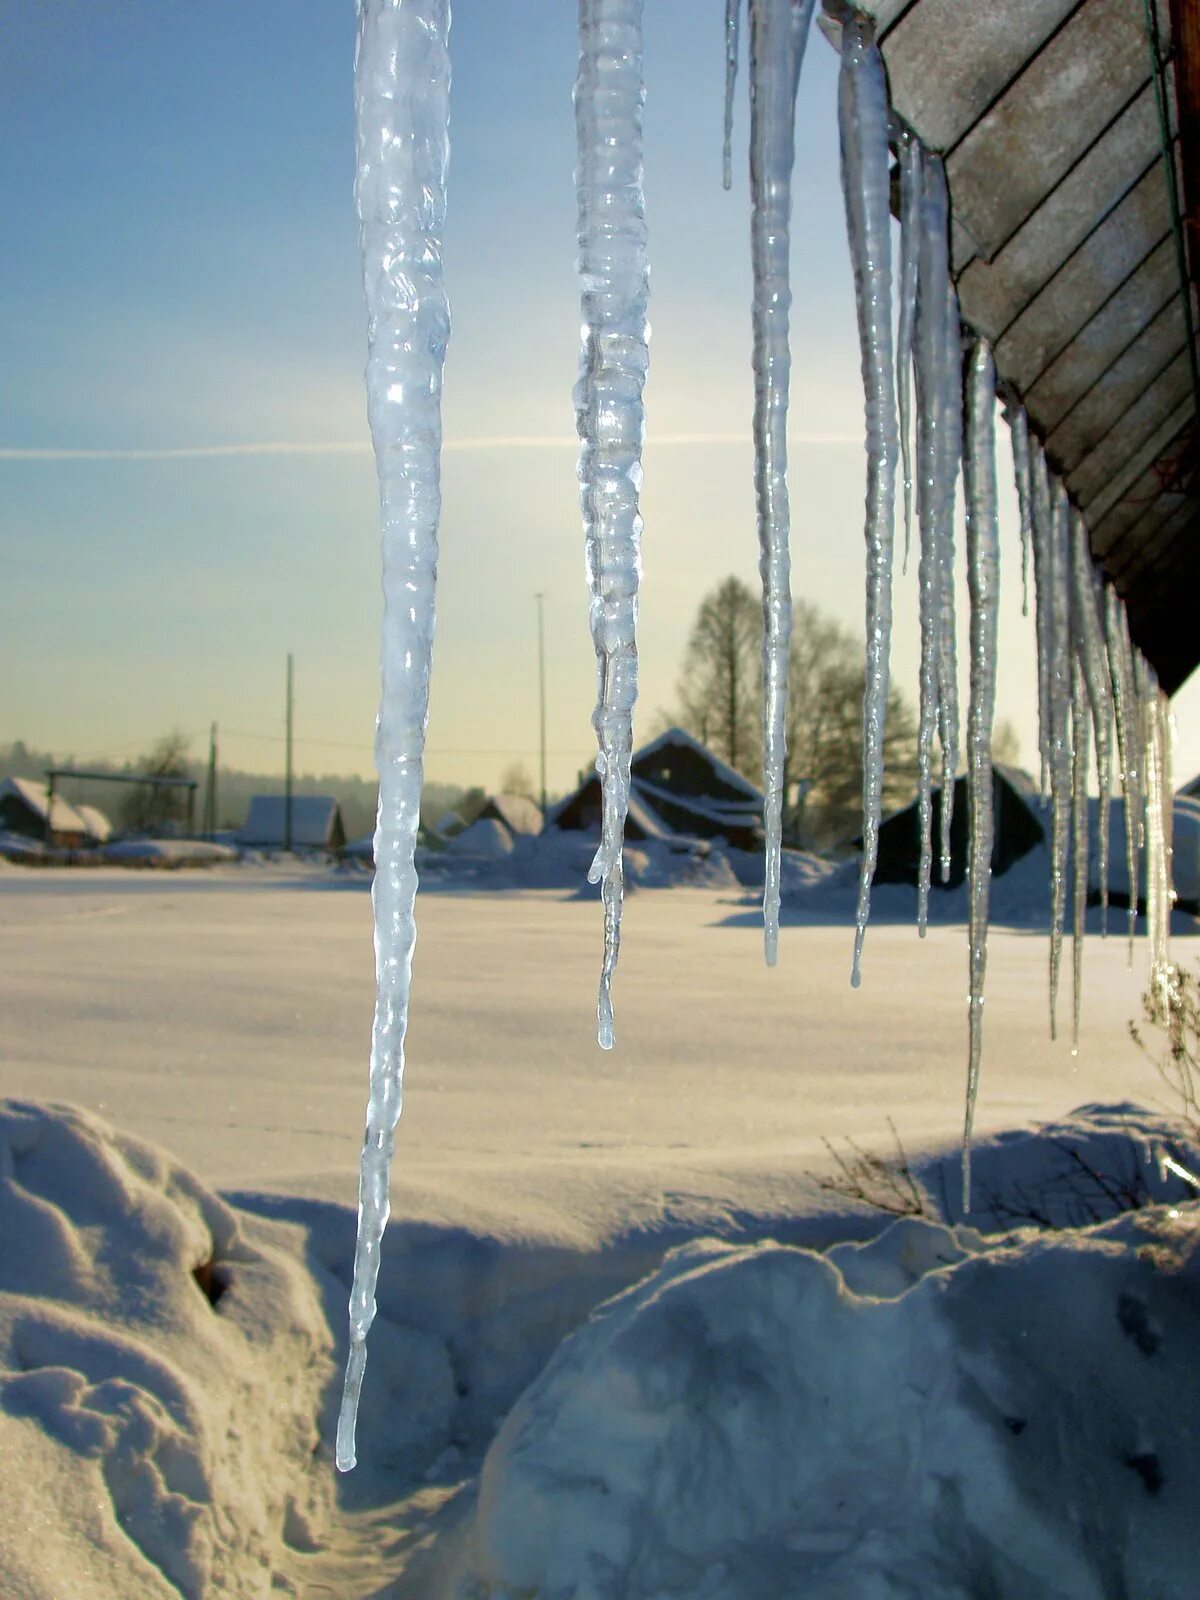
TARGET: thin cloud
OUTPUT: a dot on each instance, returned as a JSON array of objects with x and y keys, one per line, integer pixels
[{"x": 318, "y": 447}]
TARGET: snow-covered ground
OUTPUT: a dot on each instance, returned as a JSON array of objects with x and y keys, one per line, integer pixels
[{"x": 224, "y": 1016}]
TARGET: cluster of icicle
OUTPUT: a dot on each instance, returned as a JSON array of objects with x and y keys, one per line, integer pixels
[
  {"x": 1091, "y": 680},
  {"x": 1094, "y": 688}
]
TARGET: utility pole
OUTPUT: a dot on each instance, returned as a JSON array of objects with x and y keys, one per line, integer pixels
[
  {"x": 210, "y": 786},
  {"x": 287, "y": 789},
  {"x": 539, "y": 597}
]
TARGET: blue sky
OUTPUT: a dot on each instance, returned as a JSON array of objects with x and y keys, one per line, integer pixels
[{"x": 178, "y": 263}]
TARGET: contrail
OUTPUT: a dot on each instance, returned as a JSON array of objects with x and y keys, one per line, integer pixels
[{"x": 350, "y": 447}]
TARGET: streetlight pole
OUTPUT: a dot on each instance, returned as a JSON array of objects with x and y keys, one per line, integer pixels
[
  {"x": 287, "y": 791},
  {"x": 539, "y": 597}
]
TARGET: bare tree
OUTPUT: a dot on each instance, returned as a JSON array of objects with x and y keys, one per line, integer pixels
[
  {"x": 148, "y": 807},
  {"x": 824, "y": 729},
  {"x": 720, "y": 690},
  {"x": 515, "y": 779},
  {"x": 720, "y": 698}
]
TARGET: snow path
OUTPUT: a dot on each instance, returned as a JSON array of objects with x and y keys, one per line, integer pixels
[
  {"x": 778, "y": 35},
  {"x": 402, "y": 74},
  {"x": 615, "y": 283},
  {"x": 866, "y": 188}
]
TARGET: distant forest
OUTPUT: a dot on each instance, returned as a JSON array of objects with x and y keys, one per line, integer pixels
[{"x": 356, "y": 796}]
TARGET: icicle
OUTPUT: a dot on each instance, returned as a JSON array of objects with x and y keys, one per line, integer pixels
[
  {"x": 929, "y": 345},
  {"x": 1018, "y": 424},
  {"x": 402, "y": 72},
  {"x": 1157, "y": 764},
  {"x": 1089, "y": 643},
  {"x": 1043, "y": 564},
  {"x": 947, "y": 650},
  {"x": 1123, "y": 708},
  {"x": 1060, "y": 733},
  {"x": 778, "y": 35},
  {"x": 733, "y": 11},
  {"x": 911, "y": 174},
  {"x": 983, "y": 580},
  {"x": 866, "y": 186},
  {"x": 1079, "y": 828},
  {"x": 1157, "y": 879},
  {"x": 610, "y": 417}
]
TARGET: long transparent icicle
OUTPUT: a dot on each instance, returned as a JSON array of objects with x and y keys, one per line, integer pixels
[
  {"x": 1018, "y": 424},
  {"x": 1126, "y": 725},
  {"x": 402, "y": 77},
  {"x": 1059, "y": 673},
  {"x": 1090, "y": 645},
  {"x": 1155, "y": 717},
  {"x": 1079, "y": 830},
  {"x": 983, "y": 581},
  {"x": 863, "y": 122},
  {"x": 911, "y": 175},
  {"x": 947, "y": 649},
  {"x": 929, "y": 342},
  {"x": 1043, "y": 565},
  {"x": 733, "y": 12},
  {"x": 610, "y": 417},
  {"x": 778, "y": 35}
]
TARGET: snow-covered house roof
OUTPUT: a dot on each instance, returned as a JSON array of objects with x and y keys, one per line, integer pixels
[
  {"x": 517, "y": 812},
  {"x": 99, "y": 829},
  {"x": 25, "y": 805},
  {"x": 726, "y": 781},
  {"x": 316, "y": 822},
  {"x": 678, "y": 789}
]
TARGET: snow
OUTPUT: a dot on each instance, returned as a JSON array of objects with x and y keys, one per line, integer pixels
[
  {"x": 753, "y": 1422},
  {"x": 166, "y": 852},
  {"x": 487, "y": 837},
  {"x": 537, "y": 1182},
  {"x": 312, "y": 826},
  {"x": 141, "y": 1426}
]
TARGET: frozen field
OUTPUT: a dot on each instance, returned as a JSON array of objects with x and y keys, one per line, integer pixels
[
  {"x": 749, "y": 1421},
  {"x": 227, "y": 1018}
]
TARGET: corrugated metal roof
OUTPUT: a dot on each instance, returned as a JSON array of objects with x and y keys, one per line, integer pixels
[{"x": 1066, "y": 257}]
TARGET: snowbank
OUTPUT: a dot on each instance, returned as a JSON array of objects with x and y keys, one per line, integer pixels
[
  {"x": 166, "y": 853},
  {"x": 160, "y": 1376},
  {"x": 929, "y": 1418},
  {"x": 487, "y": 856}
]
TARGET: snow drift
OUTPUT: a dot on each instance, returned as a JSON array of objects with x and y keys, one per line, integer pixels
[
  {"x": 929, "y": 1417},
  {"x": 160, "y": 1376}
]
